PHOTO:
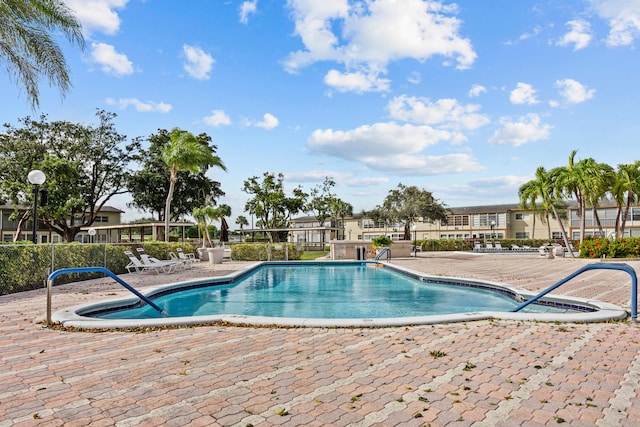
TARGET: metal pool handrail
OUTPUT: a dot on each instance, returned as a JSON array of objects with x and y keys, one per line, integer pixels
[
  {"x": 384, "y": 251},
  {"x": 61, "y": 271},
  {"x": 599, "y": 266}
]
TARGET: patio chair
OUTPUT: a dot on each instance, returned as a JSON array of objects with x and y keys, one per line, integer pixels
[
  {"x": 488, "y": 246},
  {"x": 136, "y": 266},
  {"x": 174, "y": 258},
  {"x": 477, "y": 247},
  {"x": 166, "y": 266},
  {"x": 515, "y": 247},
  {"x": 497, "y": 246},
  {"x": 187, "y": 257}
]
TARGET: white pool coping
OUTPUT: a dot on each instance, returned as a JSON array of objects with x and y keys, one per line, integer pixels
[{"x": 72, "y": 317}]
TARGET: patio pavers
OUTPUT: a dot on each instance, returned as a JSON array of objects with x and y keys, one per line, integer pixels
[{"x": 484, "y": 373}]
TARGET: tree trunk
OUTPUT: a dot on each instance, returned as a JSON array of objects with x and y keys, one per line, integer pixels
[
  {"x": 564, "y": 232},
  {"x": 21, "y": 222},
  {"x": 167, "y": 206}
]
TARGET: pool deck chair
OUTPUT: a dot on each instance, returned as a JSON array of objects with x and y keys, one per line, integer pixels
[
  {"x": 191, "y": 258},
  {"x": 185, "y": 263},
  {"x": 477, "y": 247},
  {"x": 497, "y": 246},
  {"x": 166, "y": 266},
  {"x": 136, "y": 266},
  {"x": 488, "y": 246}
]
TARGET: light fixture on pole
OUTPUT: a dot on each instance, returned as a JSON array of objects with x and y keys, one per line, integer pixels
[
  {"x": 415, "y": 240},
  {"x": 493, "y": 224},
  {"x": 37, "y": 178}
]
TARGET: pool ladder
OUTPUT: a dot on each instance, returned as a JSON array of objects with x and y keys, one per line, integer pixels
[
  {"x": 599, "y": 266},
  {"x": 383, "y": 252},
  {"x": 61, "y": 271}
]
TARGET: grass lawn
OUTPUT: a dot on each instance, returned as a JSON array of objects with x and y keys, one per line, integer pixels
[{"x": 310, "y": 256}]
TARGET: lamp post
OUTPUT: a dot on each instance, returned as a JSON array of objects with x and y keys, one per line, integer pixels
[
  {"x": 37, "y": 178},
  {"x": 493, "y": 224},
  {"x": 415, "y": 240}
]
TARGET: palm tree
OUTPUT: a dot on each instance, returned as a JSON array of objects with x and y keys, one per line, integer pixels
[
  {"x": 625, "y": 191},
  {"x": 531, "y": 191},
  {"x": 185, "y": 152},
  {"x": 573, "y": 180},
  {"x": 340, "y": 209},
  {"x": 28, "y": 48},
  {"x": 599, "y": 178}
]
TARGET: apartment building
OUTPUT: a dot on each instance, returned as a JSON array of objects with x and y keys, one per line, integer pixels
[{"x": 504, "y": 221}]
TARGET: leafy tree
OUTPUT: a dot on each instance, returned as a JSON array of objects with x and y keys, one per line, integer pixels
[
  {"x": 27, "y": 46},
  {"x": 241, "y": 221},
  {"x": 149, "y": 185},
  {"x": 85, "y": 165},
  {"x": 407, "y": 205},
  {"x": 185, "y": 153},
  {"x": 320, "y": 198},
  {"x": 270, "y": 204}
]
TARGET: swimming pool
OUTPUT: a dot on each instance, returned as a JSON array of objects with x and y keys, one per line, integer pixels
[{"x": 328, "y": 294}]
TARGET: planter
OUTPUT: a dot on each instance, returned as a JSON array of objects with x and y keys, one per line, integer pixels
[
  {"x": 215, "y": 255},
  {"x": 203, "y": 255}
]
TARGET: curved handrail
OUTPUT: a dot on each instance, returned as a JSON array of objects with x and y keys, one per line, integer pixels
[
  {"x": 599, "y": 266},
  {"x": 61, "y": 271},
  {"x": 384, "y": 251}
]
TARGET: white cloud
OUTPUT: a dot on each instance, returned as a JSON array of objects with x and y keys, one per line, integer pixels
[
  {"x": 217, "y": 118},
  {"x": 523, "y": 94},
  {"x": 476, "y": 90},
  {"x": 269, "y": 122},
  {"x": 97, "y": 15},
  {"x": 623, "y": 17},
  {"x": 415, "y": 78},
  {"x": 446, "y": 114},
  {"x": 579, "y": 36},
  {"x": 111, "y": 62},
  {"x": 198, "y": 62},
  {"x": 374, "y": 33},
  {"x": 143, "y": 107},
  {"x": 574, "y": 92},
  {"x": 392, "y": 148},
  {"x": 247, "y": 8},
  {"x": 527, "y": 129},
  {"x": 355, "y": 82}
]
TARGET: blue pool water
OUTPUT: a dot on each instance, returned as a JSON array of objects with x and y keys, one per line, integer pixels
[{"x": 331, "y": 291}]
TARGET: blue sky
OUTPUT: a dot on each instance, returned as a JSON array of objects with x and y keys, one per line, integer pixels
[{"x": 464, "y": 99}]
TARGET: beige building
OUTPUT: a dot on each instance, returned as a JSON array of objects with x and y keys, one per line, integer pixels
[
  {"x": 106, "y": 217},
  {"x": 507, "y": 221}
]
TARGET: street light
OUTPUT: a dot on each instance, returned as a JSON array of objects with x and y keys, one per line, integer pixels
[
  {"x": 37, "y": 178},
  {"x": 493, "y": 224},
  {"x": 415, "y": 240}
]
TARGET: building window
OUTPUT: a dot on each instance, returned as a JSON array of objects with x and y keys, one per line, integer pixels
[
  {"x": 458, "y": 220},
  {"x": 520, "y": 216},
  {"x": 556, "y": 235},
  {"x": 522, "y": 235}
]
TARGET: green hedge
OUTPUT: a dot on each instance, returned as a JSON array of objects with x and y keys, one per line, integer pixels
[
  {"x": 25, "y": 266},
  {"x": 259, "y": 252}
]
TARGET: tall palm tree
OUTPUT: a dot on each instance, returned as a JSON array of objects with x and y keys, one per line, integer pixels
[
  {"x": 185, "y": 152},
  {"x": 599, "y": 179},
  {"x": 241, "y": 220},
  {"x": 27, "y": 45},
  {"x": 573, "y": 180},
  {"x": 532, "y": 191},
  {"x": 625, "y": 191}
]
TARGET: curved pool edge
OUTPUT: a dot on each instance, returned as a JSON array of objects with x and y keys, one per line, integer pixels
[{"x": 70, "y": 317}]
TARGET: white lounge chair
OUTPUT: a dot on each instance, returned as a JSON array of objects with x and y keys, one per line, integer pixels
[
  {"x": 136, "y": 266},
  {"x": 488, "y": 246},
  {"x": 166, "y": 266},
  {"x": 497, "y": 246},
  {"x": 187, "y": 257},
  {"x": 515, "y": 247},
  {"x": 174, "y": 258},
  {"x": 477, "y": 247}
]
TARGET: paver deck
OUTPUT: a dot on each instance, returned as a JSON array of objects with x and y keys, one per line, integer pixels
[{"x": 485, "y": 373}]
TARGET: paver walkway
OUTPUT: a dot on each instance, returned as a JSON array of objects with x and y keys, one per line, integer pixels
[{"x": 486, "y": 373}]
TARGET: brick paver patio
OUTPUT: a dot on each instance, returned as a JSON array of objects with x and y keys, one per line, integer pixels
[{"x": 485, "y": 373}]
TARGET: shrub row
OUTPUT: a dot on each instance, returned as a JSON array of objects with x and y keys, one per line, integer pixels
[
  {"x": 26, "y": 266},
  {"x": 597, "y": 247},
  {"x": 260, "y": 252}
]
